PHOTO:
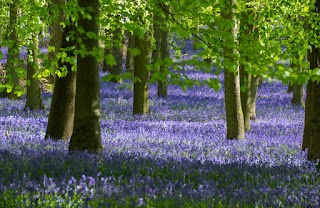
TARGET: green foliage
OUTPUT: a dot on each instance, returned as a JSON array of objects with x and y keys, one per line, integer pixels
[{"x": 265, "y": 28}]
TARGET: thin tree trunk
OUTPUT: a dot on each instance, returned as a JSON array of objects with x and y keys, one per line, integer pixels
[
  {"x": 130, "y": 57},
  {"x": 13, "y": 53},
  {"x": 164, "y": 51},
  {"x": 141, "y": 87},
  {"x": 34, "y": 99},
  {"x": 245, "y": 81},
  {"x": 116, "y": 51},
  {"x": 61, "y": 116},
  {"x": 157, "y": 23},
  {"x": 86, "y": 129},
  {"x": 246, "y": 31},
  {"x": 255, "y": 82},
  {"x": 307, "y": 117},
  {"x": 106, "y": 67},
  {"x": 297, "y": 96}
]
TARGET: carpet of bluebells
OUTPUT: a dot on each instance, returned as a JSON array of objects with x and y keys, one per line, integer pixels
[{"x": 176, "y": 157}]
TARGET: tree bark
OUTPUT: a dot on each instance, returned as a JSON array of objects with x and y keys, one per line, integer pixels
[
  {"x": 141, "y": 87},
  {"x": 311, "y": 133},
  {"x": 61, "y": 116},
  {"x": 34, "y": 99},
  {"x": 164, "y": 52},
  {"x": 157, "y": 24},
  {"x": 297, "y": 96},
  {"x": 255, "y": 82},
  {"x": 290, "y": 87},
  {"x": 56, "y": 31},
  {"x": 314, "y": 123},
  {"x": 86, "y": 129},
  {"x": 307, "y": 117},
  {"x": 130, "y": 57},
  {"x": 234, "y": 115},
  {"x": 13, "y": 56},
  {"x": 245, "y": 82}
]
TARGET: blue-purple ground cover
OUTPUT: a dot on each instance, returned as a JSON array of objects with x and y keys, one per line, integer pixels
[{"x": 176, "y": 157}]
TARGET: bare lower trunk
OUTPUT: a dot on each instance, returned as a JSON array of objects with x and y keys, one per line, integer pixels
[
  {"x": 34, "y": 99},
  {"x": 245, "y": 82},
  {"x": 311, "y": 133},
  {"x": 141, "y": 87},
  {"x": 255, "y": 82},
  {"x": 307, "y": 117},
  {"x": 86, "y": 129},
  {"x": 297, "y": 96}
]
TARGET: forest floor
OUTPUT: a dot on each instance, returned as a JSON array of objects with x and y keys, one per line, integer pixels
[{"x": 175, "y": 157}]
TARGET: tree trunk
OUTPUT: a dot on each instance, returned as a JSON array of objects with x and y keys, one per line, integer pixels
[
  {"x": 307, "y": 118},
  {"x": 247, "y": 33},
  {"x": 245, "y": 82},
  {"x": 56, "y": 31},
  {"x": 255, "y": 82},
  {"x": 34, "y": 99},
  {"x": 130, "y": 56},
  {"x": 290, "y": 87},
  {"x": 164, "y": 52},
  {"x": 157, "y": 23},
  {"x": 311, "y": 133},
  {"x": 13, "y": 56},
  {"x": 234, "y": 115},
  {"x": 116, "y": 51},
  {"x": 141, "y": 87},
  {"x": 297, "y": 96},
  {"x": 314, "y": 123},
  {"x": 61, "y": 116},
  {"x": 86, "y": 129},
  {"x": 107, "y": 50}
]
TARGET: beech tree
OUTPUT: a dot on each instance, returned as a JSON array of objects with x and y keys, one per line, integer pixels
[
  {"x": 61, "y": 116},
  {"x": 34, "y": 99},
  {"x": 141, "y": 86},
  {"x": 86, "y": 129},
  {"x": 34, "y": 67},
  {"x": 13, "y": 55},
  {"x": 164, "y": 52},
  {"x": 234, "y": 115}
]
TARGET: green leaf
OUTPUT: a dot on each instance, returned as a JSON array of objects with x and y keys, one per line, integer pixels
[
  {"x": 134, "y": 51},
  {"x": 58, "y": 73},
  {"x": 51, "y": 48},
  {"x": 91, "y": 35},
  {"x": 213, "y": 83},
  {"x": 110, "y": 60},
  {"x": 9, "y": 88},
  {"x": 63, "y": 24}
]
